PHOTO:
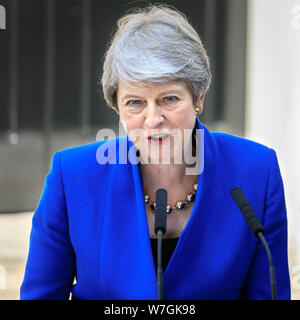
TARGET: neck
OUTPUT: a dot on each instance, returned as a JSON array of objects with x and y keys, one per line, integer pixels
[
  {"x": 163, "y": 174},
  {"x": 177, "y": 179},
  {"x": 172, "y": 178}
]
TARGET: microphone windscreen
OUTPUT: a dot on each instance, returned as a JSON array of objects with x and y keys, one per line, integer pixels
[
  {"x": 247, "y": 211},
  {"x": 161, "y": 210}
]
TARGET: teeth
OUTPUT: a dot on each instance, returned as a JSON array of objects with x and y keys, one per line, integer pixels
[{"x": 159, "y": 137}]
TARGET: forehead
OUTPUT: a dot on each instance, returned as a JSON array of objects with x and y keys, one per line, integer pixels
[{"x": 142, "y": 89}]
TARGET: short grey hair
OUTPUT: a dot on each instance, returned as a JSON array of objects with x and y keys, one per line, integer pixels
[{"x": 155, "y": 45}]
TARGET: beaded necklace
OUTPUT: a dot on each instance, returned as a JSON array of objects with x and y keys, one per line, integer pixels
[{"x": 180, "y": 204}]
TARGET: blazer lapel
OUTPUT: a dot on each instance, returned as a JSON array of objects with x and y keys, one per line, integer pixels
[
  {"x": 126, "y": 263},
  {"x": 180, "y": 269}
]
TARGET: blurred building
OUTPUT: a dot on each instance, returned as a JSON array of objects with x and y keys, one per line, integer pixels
[
  {"x": 51, "y": 56},
  {"x": 273, "y": 100}
]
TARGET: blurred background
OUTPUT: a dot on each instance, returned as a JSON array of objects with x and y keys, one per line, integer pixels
[{"x": 51, "y": 55}]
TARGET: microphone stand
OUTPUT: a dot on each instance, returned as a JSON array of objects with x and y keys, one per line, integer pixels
[
  {"x": 159, "y": 265},
  {"x": 257, "y": 229},
  {"x": 160, "y": 228},
  {"x": 271, "y": 266}
]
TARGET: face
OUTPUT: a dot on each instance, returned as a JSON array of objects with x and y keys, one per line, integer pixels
[{"x": 159, "y": 119}]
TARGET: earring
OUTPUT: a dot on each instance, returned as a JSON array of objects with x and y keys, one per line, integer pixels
[{"x": 197, "y": 110}]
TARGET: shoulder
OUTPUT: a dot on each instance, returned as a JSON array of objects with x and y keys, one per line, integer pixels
[
  {"x": 88, "y": 152},
  {"x": 243, "y": 155},
  {"x": 84, "y": 159},
  {"x": 240, "y": 148},
  {"x": 81, "y": 170},
  {"x": 226, "y": 141}
]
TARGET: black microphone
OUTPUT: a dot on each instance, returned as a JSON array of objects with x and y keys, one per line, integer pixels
[
  {"x": 160, "y": 228},
  {"x": 257, "y": 229},
  {"x": 161, "y": 211},
  {"x": 247, "y": 211}
]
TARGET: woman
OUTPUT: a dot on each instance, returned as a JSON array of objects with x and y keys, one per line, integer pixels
[{"x": 95, "y": 220}]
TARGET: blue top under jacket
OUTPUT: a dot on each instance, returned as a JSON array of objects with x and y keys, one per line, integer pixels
[{"x": 91, "y": 224}]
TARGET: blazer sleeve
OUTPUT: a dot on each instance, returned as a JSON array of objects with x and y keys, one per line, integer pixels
[
  {"x": 50, "y": 266},
  {"x": 257, "y": 285}
]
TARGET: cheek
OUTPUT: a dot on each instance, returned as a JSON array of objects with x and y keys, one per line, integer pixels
[
  {"x": 184, "y": 122},
  {"x": 184, "y": 119},
  {"x": 131, "y": 122}
]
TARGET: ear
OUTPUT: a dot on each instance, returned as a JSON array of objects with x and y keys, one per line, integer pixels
[{"x": 200, "y": 102}]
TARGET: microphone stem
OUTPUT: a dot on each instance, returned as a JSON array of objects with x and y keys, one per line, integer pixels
[
  {"x": 159, "y": 265},
  {"x": 271, "y": 266}
]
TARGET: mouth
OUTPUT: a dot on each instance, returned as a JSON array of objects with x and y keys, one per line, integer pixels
[{"x": 159, "y": 139}]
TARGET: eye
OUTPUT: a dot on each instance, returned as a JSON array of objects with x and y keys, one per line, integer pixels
[
  {"x": 133, "y": 103},
  {"x": 171, "y": 99}
]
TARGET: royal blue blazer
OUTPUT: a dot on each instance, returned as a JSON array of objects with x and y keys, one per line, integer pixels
[{"x": 91, "y": 224}]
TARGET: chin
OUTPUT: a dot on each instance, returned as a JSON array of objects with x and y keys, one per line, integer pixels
[{"x": 162, "y": 159}]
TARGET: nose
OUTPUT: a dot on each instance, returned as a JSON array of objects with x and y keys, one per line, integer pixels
[{"x": 154, "y": 116}]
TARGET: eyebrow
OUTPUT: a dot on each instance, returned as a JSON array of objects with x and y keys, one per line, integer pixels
[
  {"x": 175, "y": 91},
  {"x": 130, "y": 96}
]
